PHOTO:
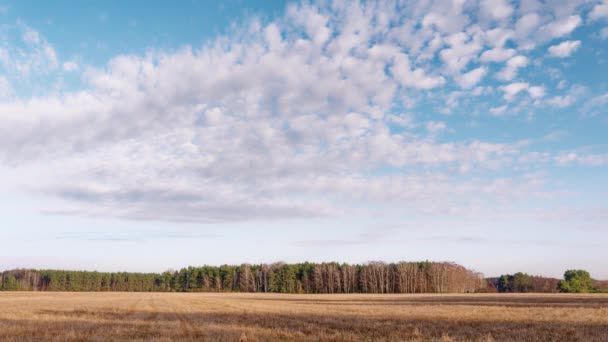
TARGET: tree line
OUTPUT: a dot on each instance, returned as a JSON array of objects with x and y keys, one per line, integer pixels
[
  {"x": 332, "y": 277},
  {"x": 522, "y": 283},
  {"x": 574, "y": 281}
]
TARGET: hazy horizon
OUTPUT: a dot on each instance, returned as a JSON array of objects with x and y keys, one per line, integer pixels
[{"x": 145, "y": 136}]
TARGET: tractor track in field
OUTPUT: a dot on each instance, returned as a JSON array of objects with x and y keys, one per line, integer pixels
[
  {"x": 185, "y": 324},
  {"x": 150, "y": 319}
]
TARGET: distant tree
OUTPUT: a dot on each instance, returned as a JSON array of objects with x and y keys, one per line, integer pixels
[
  {"x": 576, "y": 281},
  {"x": 228, "y": 276},
  {"x": 523, "y": 282},
  {"x": 246, "y": 279},
  {"x": 545, "y": 284},
  {"x": 600, "y": 286},
  {"x": 518, "y": 282},
  {"x": 9, "y": 282},
  {"x": 504, "y": 283}
]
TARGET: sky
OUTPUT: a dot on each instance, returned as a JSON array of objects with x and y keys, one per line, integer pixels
[{"x": 149, "y": 135}]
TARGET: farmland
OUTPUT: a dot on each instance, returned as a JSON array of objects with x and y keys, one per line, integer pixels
[{"x": 62, "y": 316}]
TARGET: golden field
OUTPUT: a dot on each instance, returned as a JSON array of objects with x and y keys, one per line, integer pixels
[{"x": 60, "y": 316}]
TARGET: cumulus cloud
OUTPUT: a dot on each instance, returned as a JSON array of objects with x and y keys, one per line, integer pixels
[
  {"x": 435, "y": 127},
  {"x": 564, "y": 49},
  {"x": 536, "y": 91},
  {"x": 31, "y": 36},
  {"x": 560, "y": 27},
  {"x": 599, "y": 11},
  {"x": 497, "y": 55},
  {"x": 498, "y": 111},
  {"x": 471, "y": 78},
  {"x": 462, "y": 49},
  {"x": 511, "y": 90},
  {"x": 70, "y": 66},
  {"x": 525, "y": 27},
  {"x": 445, "y": 17},
  {"x": 37, "y": 57},
  {"x": 416, "y": 78},
  {"x": 509, "y": 72},
  {"x": 561, "y": 101},
  {"x": 496, "y": 9}
]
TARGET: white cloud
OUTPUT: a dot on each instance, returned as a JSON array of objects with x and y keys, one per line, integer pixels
[
  {"x": 497, "y": 55},
  {"x": 70, "y": 66},
  {"x": 471, "y": 78},
  {"x": 416, "y": 78},
  {"x": 596, "y": 103},
  {"x": 536, "y": 92},
  {"x": 315, "y": 25},
  {"x": 480, "y": 90},
  {"x": 560, "y": 27},
  {"x": 568, "y": 158},
  {"x": 405, "y": 120},
  {"x": 463, "y": 48},
  {"x": 498, "y": 111},
  {"x": 564, "y": 49},
  {"x": 599, "y": 100},
  {"x": 37, "y": 57},
  {"x": 4, "y": 56},
  {"x": 511, "y": 90},
  {"x": 604, "y": 33},
  {"x": 496, "y": 9},
  {"x": 525, "y": 27},
  {"x": 561, "y": 101},
  {"x": 31, "y": 36},
  {"x": 509, "y": 72},
  {"x": 6, "y": 89},
  {"x": 599, "y": 11},
  {"x": 445, "y": 17},
  {"x": 291, "y": 118},
  {"x": 497, "y": 37},
  {"x": 435, "y": 127},
  {"x": 526, "y": 24}
]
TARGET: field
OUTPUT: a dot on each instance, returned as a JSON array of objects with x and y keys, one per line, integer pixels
[{"x": 48, "y": 316}]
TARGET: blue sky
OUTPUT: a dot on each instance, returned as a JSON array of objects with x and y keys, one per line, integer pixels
[{"x": 151, "y": 135}]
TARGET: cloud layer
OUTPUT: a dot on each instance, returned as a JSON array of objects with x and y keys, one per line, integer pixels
[{"x": 307, "y": 115}]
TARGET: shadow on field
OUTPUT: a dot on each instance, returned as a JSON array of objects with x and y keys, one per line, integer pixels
[
  {"x": 272, "y": 326},
  {"x": 563, "y": 301}
]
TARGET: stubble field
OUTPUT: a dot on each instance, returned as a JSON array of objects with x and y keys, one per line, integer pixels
[{"x": 48, "y": 316}]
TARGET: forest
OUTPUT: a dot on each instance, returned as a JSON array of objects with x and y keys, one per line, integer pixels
[
  {"x": 332, "y": 277},
  {"x": 308, "y": 278},
  {"x": 575, "y": 281}
]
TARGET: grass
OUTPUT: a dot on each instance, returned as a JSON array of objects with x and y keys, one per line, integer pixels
[{"x": 49, "y": 316}]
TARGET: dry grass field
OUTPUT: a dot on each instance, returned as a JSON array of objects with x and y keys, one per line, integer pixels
[{"x": 47, "y": 316}]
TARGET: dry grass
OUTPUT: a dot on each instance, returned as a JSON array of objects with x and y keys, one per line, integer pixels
[{"x": 260, "y": 317}]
